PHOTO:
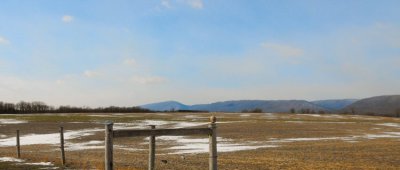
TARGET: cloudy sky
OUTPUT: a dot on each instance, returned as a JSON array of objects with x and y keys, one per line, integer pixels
[{"x": 132, "y": 52}]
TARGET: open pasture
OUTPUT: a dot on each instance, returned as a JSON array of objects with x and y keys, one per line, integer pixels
[{"x": 245, "y": 141}]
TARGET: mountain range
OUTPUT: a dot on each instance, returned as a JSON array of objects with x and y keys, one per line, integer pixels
[
  {"x": 264, "y": 105},
  {"x": 380, "y": 105}
]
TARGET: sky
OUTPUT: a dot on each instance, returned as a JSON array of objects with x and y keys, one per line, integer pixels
[{"x": 134, "y": 52}]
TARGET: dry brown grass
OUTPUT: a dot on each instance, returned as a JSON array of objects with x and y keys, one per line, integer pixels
[{"x": 382, "y": 153}]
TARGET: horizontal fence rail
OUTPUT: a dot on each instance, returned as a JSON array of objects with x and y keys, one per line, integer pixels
[{"x": 162, "y": 132}]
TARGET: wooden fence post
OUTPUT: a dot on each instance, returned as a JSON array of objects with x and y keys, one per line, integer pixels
[
  {"x": 213, "y": 144},
  {"x": 62, "y": 146},
  {"x": 152, "y": 149},
  {"x": 18, "y": 146},
  {"x": 109, "y": 146}
]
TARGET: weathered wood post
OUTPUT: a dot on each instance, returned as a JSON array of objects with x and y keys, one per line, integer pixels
[
  {"x": 213, "y": 144},
  {"x": 62, "y": 146},
  {"x": 18, "y": 146},
  {"x": 152, "y": 149},
  {"x": 109, "y": 146}
]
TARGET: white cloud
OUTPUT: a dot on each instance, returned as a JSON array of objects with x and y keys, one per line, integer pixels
[
  {"x": 166, "y": 3},
  {"x": 130, "y": 62},
  {"x": 90, "y": 73},
  {"x": 67, "y": 18},
  {"x": 4, "y": 41},
  {"x": 147, "y": 80},
  {"x": 197, "y": 4},
  {"x": 169, "y": 4},
  {"x": 283, "y": 49}
]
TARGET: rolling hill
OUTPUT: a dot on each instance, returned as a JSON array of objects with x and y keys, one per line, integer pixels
[
  {"x": 380, "y": 105},
  {"x": 165, "y": 106},
  {"x": 334, "y": 105}
]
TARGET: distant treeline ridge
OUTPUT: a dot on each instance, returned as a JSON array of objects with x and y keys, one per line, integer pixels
[{"x": 41, "y": 107}]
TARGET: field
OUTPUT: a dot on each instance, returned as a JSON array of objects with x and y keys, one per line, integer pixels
[{"x": 245, "y": 141}]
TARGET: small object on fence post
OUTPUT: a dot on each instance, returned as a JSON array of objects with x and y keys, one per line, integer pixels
[
  {"x": 213, "y": 144},
  {"x": 62, "y": 146},
  {"x": 152, "y": 149},
  {"x": 18, "y": 146},
  {"x": 108, "y": 146}
]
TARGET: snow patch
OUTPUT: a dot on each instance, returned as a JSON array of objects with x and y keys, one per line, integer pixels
[
  {"x": 390, "y": 124},
  {"x": 10, "y": 159},
  {"x": 84, "y": 145},
  {"x": 12, "y": 121},
  {"x": 52, "y": 138},
  {"x": 186, "y": 145},
  {"x": 40, "y": 163}
]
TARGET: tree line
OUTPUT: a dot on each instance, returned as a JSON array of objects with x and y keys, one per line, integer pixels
[{"x": 41, "y": 107}]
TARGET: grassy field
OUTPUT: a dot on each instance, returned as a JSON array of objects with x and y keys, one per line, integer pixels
[{"x": 246, "y": 141}]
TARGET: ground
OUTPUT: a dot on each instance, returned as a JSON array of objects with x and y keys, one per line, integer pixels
[{"x": 245, "y": 141}]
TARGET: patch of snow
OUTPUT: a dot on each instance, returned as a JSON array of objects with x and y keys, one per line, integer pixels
[
  {"x": 100, "y": 115},
  {"x": 3, "y": 136},
  {"x": 119, "y": 114},
  {"x": 347, "y": 139},
  {"x": 10, "y": 159},
  {"x": 12, "y": 121},
  {"x": 52, "y": 138},
  {"x": 186, "y": 145},
  {"x": 162, "y": 114},
  {"x": 364, "y": 117},
  {"x": 313, "y": 115},
  {"x": 270, "y": 115},
  {"x": 244, "y": 115},
  {"x": 191, "y": 116},
  {"x": 128, "y": 149},
  {"x": 40, "y": 163},
  {"x": 84, "y": 145},
  {"x": 204, "y": 147},
  {"x": 188, "y": 124},
  {"x": 390, "y": 124}
]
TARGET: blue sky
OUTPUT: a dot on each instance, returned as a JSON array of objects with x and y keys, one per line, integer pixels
[{"x": 131, "y": 52}]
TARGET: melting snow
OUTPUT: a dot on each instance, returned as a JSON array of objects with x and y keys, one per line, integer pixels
[
  {"x": 52, "y": 138},
  {"x": 348, "y": 139},
  {"x": 12, "y": 121},
  {"x": 40, "y": 163},
  {"x": 390, "y": 124},
  {"x": 22, "y": 162},
  {"x": 186, "y": 145},
  {"x": 84, "y": 145},
  {"x": 10, "y": 159}
]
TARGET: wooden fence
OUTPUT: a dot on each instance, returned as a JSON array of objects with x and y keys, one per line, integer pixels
[
  {"x": 110, "y": 134},
  {"x": 18, "y": 145}
]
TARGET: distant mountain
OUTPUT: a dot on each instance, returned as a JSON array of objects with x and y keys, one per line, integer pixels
[
  {"x": 380, "y": 105},
  {"x": 264, "y": 105},
  {"x": 240, "y": 105},
  {"x": 165, "y": 106},
  {"x": 334, "y": 105}
]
